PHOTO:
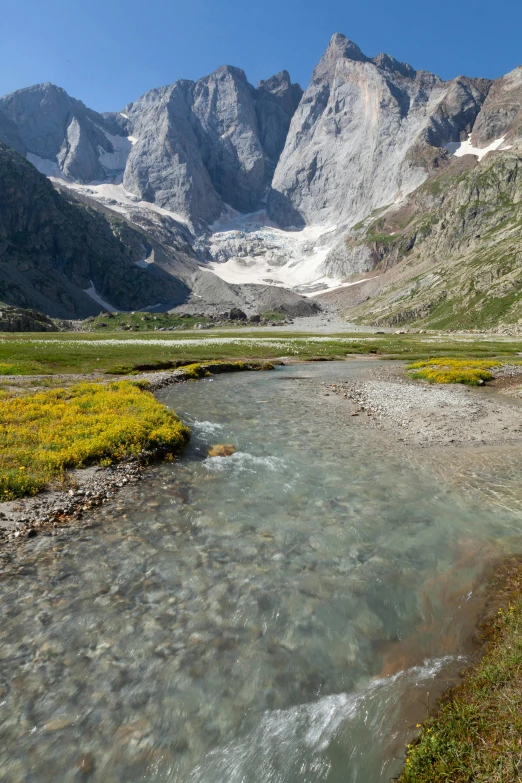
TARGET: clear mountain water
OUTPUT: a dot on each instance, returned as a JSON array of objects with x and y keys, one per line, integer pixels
[{"x": 278, "y": 616}]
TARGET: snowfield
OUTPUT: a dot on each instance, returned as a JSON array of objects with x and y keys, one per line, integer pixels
[
  {"x": 91, "y": 291},
  {"x": 117, "y": 160},
  {"x": 460, "y": 148},
  {"x": 116, "y": 197}
]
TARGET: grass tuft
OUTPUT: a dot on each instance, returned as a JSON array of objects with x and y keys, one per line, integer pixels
[
  {"x": 471, "y": 372},
  {"x": 477, "y": 733},
  {"x": 43, "y": 434}
]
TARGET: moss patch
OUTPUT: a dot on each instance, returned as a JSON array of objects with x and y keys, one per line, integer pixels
[
  {"x": 472, "y": 372},
  {"x": 43, "y": 434},
  {"x": 16, "y": 367}
]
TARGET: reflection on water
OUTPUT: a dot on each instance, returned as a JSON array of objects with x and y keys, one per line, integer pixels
[{"x": 275, "y": 616}]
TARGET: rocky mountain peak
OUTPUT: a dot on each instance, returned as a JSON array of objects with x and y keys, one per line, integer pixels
[
  {"x": 388, "y": 63},
  {"x": 210, "y": 143},
  {"x": 339, "y": 50},
  {"x": 225, "y": 71},
  {"x": 58, "y": 130},
  {"x": 276, "y": 101},
  {"x": 358, "y": 139},
  {"x": 341, "y": 46},
  {"x": 278, "y": 84}
]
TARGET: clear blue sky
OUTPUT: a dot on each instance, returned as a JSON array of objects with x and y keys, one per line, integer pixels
[{"x": 109, "y": 52}]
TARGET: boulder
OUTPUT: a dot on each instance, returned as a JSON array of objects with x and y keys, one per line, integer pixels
[
  {"x": 237, "y": 315},
  {"x": 221, "y": 450}
]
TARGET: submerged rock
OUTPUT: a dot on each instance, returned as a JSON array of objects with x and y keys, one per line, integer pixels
[{"x": 221, "y": 450}]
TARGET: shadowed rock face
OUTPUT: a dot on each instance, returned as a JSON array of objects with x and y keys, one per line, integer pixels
[
  {"x": 10, "y": 135},
  {"x": 52, "y": 250},
  {"x": 276, "y": 102},
  {"x": 16, "y": 319},
  {"x": 354, "y": 141},
  {"x": 225, "y": 121}
]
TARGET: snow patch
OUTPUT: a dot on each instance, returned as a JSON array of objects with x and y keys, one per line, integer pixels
[
  {"x": 97, "y": 298},
  {"x": 117, "y": 198},
  {"x": 460, "y": 148},
  {"x": 46, "y": 166},
  {"x": 116, "y": 160},
  {"x": 343, "y": 285},
  {"x": 144, "y": 263}
]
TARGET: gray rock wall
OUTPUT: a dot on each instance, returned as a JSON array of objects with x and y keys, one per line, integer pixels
[
  {"x": 196, "y": 145},
  {"x": 56, "y": 127},
  {"x": 502, "y": 111},
  {"x": 351, "y": 147},
  {"x": 201, "y": 145}
]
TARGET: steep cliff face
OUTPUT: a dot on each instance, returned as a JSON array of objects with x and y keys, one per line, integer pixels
[
  {"x": 276, "y": 102},
  {"x": 206, "y": 144},
  {"x": 501, "y": 114},
  {"x": 165, "y": 165},
  {"x": 65, "y": 259},
  {"x": 10, "y": 134},
  {"x": 356, "y": 141}
]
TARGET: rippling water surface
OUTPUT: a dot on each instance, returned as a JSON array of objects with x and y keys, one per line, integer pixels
[{"x": 278, "y": 616}]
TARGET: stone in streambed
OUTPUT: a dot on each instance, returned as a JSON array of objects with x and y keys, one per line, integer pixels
[
  {"x": 221, "y": 450},
  {"x": 85, "y": 764}
]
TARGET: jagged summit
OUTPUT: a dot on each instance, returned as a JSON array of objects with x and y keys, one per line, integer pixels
[
  {"x": 228, "y": 70},
  {"x": 341, "y": 46},
  {"x": 388, "y": 63}
]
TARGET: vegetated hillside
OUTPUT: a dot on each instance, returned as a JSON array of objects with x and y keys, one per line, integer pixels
[
  {"x": 451, "y": 256},
  {"x": 52, "y": 249}
]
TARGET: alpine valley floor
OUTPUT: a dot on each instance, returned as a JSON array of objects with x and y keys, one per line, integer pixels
[{"x": 333, "y": 569}]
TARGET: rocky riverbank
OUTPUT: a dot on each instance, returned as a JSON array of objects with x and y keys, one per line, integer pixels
[
  {"x": 476, "y": 720},
  {"x": 422, "y": 414}
]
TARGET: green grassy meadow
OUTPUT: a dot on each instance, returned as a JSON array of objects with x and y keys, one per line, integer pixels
[{"x": 84, "y": 353}]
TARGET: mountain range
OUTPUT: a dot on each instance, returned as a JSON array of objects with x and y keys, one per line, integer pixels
[{"x": 379, "y": 188}]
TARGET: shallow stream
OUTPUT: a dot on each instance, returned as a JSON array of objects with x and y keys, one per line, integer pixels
[{"x": 284, "y": 615}]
